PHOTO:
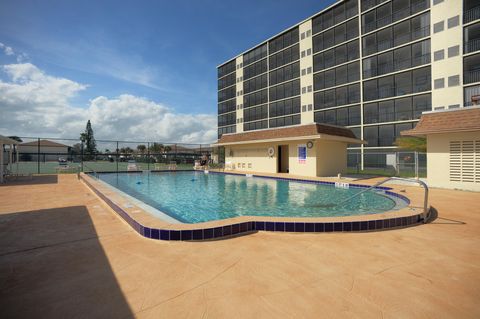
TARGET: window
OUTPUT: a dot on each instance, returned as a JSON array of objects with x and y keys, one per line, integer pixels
[
  {"x": 438, "y": 55},
  {"x": 255, "y": 54},
  {"x": 285, "y": 121},
  {"x": 454, "y": 80},
  {"x": 439, "y": 83},
  {"x": 453, "y": 51},
  {"x": 285, "y": 107},
  {"x": 227, "y": 106},
  {"x": 401, "y": 33},
  {"x": 386, "y": 135},
  {"x": 255, "y": 69},
  {"x": 285, "y": 90},
  {"x": 438, "y": 27},
  {"x": 370, "y": 113},
  {"x": 226, "y": 81},
  {"x": 226, "y": 68},
  {"x": 282, "y": 41},
  {"x": 284, "y": 57},
  {"x": 422, "y": 80},
  {"x": 259, "y": 97},
  {"x": 386, "y": 111},
  {"x": 403, "y": 109},
  {"x": 402, "y": 58},
  {"x": 370, "y": 134},
  {"x": 255, "y": 84},
  {"x": 227, "y": 119},
  {"x": 285, "y": 73},
  {"x": 421, "y": 103},
  {"x": 453, "y": 22},
  {"x": 255, "y": 125},
  {"x": 226, "y": 94},
  {"x": 403, "y": 83},
  {"x": 255, "y": 113}
]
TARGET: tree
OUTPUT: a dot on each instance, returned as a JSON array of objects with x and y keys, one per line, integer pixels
[
  {"x": 90, "y": 145},
  {"x": 141, "y": 148},
  {"x": 167, "y": 149},
  {"x": 16, "y": 138},
  {"x": 418, "y": 144},
  {"x": 156, "y": 148}
]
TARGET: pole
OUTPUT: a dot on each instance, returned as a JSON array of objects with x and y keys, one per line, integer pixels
[
  {"x": 38, "y": 155},
  {"x": 16, "y": 152},
  {"x": 117, "y": 157},
  {"x": 148, "y": 155},
  {"x": 416, "y": 164},
  {"x": 81, "y": 157}
]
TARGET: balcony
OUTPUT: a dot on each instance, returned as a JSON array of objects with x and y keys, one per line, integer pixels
[
  {"x": 471, "y": 46},
  {"x": 471, "y": 14}
]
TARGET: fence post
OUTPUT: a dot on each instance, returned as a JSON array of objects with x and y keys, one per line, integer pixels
[
  {"x": 38, "y": 155},
  {"x": 148, "y": 156},
  {"x": 81, "y": 157},
  {"x": 116, "y": 160},
  {"x": 397, "y": 162},
  {"x": 416, "y": 164}
]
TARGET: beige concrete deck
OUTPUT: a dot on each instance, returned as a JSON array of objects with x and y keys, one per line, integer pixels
[{"x": 64, "y": 254}]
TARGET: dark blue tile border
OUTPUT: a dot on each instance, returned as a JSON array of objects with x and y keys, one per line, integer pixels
[{"x": 239, "y": 228}]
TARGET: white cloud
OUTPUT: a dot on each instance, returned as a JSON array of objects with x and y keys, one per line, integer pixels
[
  {"x": 33, "y": 103},
  {"x": 20, "y": 57}
]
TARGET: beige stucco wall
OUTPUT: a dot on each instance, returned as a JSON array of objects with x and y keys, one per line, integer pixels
[
  {"x": 448, "y": 66},
  {"x": 325, "y": 158},
  {"x": 438, "y": 160},
  {"x": 331, "y": 158}
]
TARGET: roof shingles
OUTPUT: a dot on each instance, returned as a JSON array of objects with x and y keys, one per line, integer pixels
[
  {"x": 287, "y": 132},
  {"x": 462, "y": 120}
]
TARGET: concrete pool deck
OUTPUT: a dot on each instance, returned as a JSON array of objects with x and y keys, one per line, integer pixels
[{"x": 64, "y": 253}]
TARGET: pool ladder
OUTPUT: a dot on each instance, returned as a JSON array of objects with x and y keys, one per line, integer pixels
[{"x": 426, "y": 208}]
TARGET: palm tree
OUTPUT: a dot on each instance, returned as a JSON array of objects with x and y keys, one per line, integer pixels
[{"x": 141, "y": 148}]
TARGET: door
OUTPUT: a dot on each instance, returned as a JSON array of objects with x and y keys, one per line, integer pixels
[{"x": 283, "y": 158}]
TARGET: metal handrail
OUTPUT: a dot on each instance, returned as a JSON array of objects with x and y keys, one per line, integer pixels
[{"x": 426, "y": 209}]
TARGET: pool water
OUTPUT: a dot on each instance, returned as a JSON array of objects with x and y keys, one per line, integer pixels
[{"x": 193, "y": 197}]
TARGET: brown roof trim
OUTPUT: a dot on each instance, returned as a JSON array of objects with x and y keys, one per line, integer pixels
[
  {"x": 307, "y": 130},
  {"x": 450, "y": 121}
]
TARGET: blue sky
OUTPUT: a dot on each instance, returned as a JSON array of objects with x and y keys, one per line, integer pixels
[{"x": 162, "y": 51}]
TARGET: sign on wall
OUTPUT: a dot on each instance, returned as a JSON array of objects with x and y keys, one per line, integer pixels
[{"x": 302, "y": 154}]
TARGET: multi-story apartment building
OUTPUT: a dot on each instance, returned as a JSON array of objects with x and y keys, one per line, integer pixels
[{"x": 371, "y": 65}]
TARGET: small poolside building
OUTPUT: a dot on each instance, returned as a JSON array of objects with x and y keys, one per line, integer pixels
[
  {"x": 453, "y": 147},
  {"x": 304, "y": 150},
  {"x": 48, "y": 150}
]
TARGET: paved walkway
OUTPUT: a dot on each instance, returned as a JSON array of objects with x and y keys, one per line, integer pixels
[{"x": 64, "y": 254}]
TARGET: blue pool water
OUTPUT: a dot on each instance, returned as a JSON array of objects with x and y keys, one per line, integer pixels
[{"x": 193, "y": 197}]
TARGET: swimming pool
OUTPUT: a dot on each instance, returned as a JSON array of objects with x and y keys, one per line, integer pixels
[{"x": 194, "y": 197}]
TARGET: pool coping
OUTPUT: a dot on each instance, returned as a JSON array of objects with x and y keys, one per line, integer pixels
[{"x": 153, "y": 227}]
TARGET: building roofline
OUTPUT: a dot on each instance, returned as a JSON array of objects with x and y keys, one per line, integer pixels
[{"x": 283, "y": 31}]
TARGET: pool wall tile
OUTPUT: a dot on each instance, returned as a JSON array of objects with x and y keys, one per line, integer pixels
[
  {"x": 155, "y": 233},
  {"x": 319, "y": 227},
  {"x": 197, "y": 234},
  {"x": 328, "y": 227},
  {"x": 175, "y": 235},
  {"x": 227, "y": 230},
  {"x": 186, "y": 235},
  {"x": 309, "y": 227},
  {"x": 235, "y": 229},
  {"x": 300, "y": 227},
  {"x": 347, "y": 226},
  {"x": 270, "y": 226},
  {"x": 218, "y": 232},
  {"x": 338, "y": 227},
  {"x": 279, "y": 226},
  {"x": 208, "y": 233},
  {"x": 290, "y": 227},
  {"x": 260, "y": 225}
]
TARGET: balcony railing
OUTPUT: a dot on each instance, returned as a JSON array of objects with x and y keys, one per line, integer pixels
[
  {"x": 399, "y": 65},
  {"x": 471, "y": 15},
  {"x": 396, "y": 16},
  {"x": 471, "y": 76},
  {"x": 472, "y": 46}
]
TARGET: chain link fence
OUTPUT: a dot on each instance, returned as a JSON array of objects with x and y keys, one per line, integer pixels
[{"x": 37, "y": 155}]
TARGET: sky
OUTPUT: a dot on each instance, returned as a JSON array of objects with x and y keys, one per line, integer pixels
[{"x": 139, "y": 70}]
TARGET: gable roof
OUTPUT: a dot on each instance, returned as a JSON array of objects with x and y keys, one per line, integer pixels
[
  {"x": 458, "y": 120},
  {"x": 308, "y": 131},
  {"x": 45, "y": 143}
]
